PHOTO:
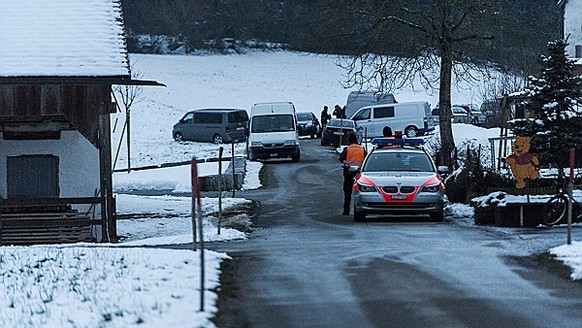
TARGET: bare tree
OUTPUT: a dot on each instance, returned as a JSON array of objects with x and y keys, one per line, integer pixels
[
  {"x": 496, "y": 85},
  {"x": 435, "y": 35},
  {"x": 126, "y": 96}
]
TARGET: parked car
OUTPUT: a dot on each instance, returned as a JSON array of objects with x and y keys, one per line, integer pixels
[
  {"x": 216, "y": 125},
  {"x": 461, "y": 115},
  {"x": 465, "y": 113},
  {"x": 273, "y": 132},
  {"x": 477, "y": 116},
  {"x": 399, "y": 181},
  {"x": 337, "y": 131},
  {"x": 308, "y": 124}
]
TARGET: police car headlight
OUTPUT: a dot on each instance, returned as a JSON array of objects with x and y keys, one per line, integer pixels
[
  {"x": 256, "y": 144},
  {"x": 366, "y": 188},
  {"x": 431, "y": 188},
  {"x": 290, "y": 143}
]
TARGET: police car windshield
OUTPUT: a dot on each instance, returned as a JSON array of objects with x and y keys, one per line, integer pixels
[{"x": 398, "y": 160}]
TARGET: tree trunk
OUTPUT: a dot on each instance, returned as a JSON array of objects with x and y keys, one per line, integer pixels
[
  {"x": 446, "y": 130},
  {"x": 128, "y": 139}
]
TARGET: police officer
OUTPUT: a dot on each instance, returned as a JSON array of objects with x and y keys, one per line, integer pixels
[
  {"x": 353, "y": 154},
  {"x": 387, "y": 133},
  {"x": 325, "y": 117}
]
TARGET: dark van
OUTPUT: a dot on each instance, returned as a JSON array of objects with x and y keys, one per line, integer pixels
[{"x": 216, "y": 125}]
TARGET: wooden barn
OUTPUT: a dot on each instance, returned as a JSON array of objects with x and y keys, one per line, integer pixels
[{"x": 59, "y": 60}]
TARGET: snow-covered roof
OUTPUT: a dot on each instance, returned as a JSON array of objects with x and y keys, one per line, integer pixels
[{"x": 62, "y": 38}]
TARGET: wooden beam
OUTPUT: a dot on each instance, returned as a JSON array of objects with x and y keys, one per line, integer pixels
[
  {"x": 16, "y": 202},
  {"x": 107, "y": 207}
]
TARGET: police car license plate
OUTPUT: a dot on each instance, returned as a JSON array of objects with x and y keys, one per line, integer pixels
[{"x": 399, "y": 197}]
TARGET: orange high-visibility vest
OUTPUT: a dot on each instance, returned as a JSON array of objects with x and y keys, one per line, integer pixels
[{"x": 355, "y": 155}]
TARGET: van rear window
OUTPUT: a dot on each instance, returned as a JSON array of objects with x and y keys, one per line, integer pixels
[{"x": 238, "y": 117}]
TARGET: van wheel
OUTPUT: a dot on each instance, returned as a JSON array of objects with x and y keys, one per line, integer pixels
[
  {"x": 217, "y": 139},
  {"x": 411, "y": 131},
  {"x": 178, "y": 136}
]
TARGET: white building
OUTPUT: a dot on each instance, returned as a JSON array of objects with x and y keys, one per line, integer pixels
[{"x": 572, "y": 26}]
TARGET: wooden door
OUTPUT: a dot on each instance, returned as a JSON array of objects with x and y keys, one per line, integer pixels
[{"x": 33, "y": 176}]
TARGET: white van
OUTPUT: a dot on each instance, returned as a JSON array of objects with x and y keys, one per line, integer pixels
[
  {"x": 359, "y": 99},
  {"x": 273, "y": 132},
  {"x": 413, "y": 118}
]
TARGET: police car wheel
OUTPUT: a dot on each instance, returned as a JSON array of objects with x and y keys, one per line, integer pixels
[
  {"x": 437, "y": 217},
  {"x": 359, "y": 216}
]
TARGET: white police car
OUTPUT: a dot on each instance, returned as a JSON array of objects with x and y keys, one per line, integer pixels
[{"x": 399, "y": 178}]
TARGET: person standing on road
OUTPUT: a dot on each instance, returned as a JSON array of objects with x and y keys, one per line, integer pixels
[
  {"x": 325, "y": 117},
  {"x": 337, "y": 112},
  {"x": 353, "y": 154},
  {"x": 387, "y": 134}
]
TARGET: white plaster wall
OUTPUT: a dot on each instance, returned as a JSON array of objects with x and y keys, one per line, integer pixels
[
  {"x": 78, "y": 162},
  {"x": 573, "y": 25}
]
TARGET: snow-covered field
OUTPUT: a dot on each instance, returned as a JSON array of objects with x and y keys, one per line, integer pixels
[{"x": 124, "y": 285}]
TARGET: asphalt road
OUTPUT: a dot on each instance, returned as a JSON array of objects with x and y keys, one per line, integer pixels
[{"x": 306, "y": 265}]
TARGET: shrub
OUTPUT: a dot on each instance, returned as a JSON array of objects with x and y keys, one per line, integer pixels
[
  {"x": 485, "y": 207},
  {"x": 472, "y": 180}
]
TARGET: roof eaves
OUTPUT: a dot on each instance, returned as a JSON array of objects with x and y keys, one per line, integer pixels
[{"x": 76, "y": 80}]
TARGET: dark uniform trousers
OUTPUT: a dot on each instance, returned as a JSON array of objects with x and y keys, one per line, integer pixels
[{"x": 348, "y": 185}]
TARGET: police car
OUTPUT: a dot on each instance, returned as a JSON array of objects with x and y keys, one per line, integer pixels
[{"x": 399, "y": 178}]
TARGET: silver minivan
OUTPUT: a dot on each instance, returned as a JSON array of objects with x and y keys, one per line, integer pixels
[
  {"x": 216, "y": 125},
  {"x": 412, "y": 118}
]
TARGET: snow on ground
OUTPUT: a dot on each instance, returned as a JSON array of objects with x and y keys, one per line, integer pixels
[
  {"x": 122, "y": 285},
  {"x": 125, "y": 285},
  {"x": 88, "y": 286},
  {"x": 176, "y": 178},
  {"x": 571, "y": 255}
]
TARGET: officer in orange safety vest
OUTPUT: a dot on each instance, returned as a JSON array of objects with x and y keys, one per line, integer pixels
[{"x": 353, "y": 154}]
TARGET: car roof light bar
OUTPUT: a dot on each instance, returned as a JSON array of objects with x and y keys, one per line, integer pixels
[{"x": 398, "y": 141}]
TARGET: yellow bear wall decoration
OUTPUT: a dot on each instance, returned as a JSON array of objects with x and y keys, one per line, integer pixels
[{"x": 522, "y": 163}]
